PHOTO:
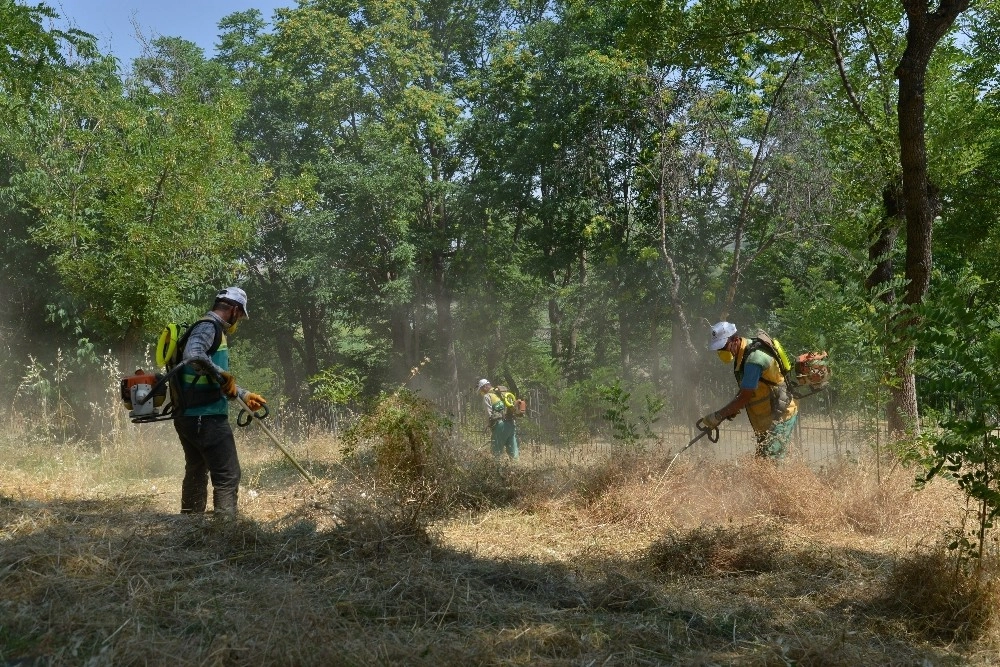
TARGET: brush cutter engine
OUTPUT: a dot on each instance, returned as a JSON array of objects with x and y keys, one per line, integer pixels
[
  {"x": 145, "y": 396},
  {"x": 812, "y": 374}
]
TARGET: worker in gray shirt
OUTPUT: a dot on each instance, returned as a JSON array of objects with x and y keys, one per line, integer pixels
[{"x": 202, "y": 418}]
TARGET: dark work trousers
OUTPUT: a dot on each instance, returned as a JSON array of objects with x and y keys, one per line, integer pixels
[{"x": 209, "y": 449}]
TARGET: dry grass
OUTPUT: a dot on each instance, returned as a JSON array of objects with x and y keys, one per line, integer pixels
[
  {"x": 614, "y": 563},
  {"x": 940, "y": 598}
]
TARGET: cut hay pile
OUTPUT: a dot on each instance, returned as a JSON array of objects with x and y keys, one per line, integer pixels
[{"x": 614, "y": 563}]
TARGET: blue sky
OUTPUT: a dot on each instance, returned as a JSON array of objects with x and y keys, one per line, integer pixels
[{"x": 111, "y": 21}]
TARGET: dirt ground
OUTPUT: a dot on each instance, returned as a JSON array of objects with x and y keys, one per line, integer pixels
[{"x": 613, "y": 562}]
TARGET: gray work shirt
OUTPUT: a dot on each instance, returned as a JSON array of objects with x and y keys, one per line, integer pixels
[{"x": 200, "y": 342}]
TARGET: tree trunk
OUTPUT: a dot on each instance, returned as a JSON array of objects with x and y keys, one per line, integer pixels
[
  {"x": 573, "y": 331},
  {"x": 555, "y": 316},
  {"x": 310, "y": 333},
  {"x": 902, "y": 414},
  {"x": 654, "y": 348},
  {"x": 913, "y": 157},
  {"x": 686, "y": 381},
  {"x": 684, "y": 354},
  {"x": 734, "y": 272},
  {"x": 879, "y": 252},
  {"x": 924, "y": 30},
  {"x": 286, "y": 343},
  {"x": 625, "y": 342},
  {"x": 129, "y": 359},
  {"x": 402, "y": 334},
  {"x": 555, "y": 322},
  {"x": 446, "y": 333},
  {"x": 494, "y": 354}
]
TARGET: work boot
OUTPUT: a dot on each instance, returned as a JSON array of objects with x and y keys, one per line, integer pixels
[
  {"x": 194, "y": 497},
  {"x": 225, "y": 501}
]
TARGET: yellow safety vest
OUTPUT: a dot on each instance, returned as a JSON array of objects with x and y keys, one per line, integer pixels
[{"x": 765, "y": 406}]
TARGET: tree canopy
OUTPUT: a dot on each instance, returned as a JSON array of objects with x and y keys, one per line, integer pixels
[{"x": 559, "y": 194}]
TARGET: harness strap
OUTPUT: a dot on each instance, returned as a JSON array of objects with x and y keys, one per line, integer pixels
[{"x": 780, "y": 395}]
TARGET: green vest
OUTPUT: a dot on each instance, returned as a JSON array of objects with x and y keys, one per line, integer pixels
[{"x": 202, "y": 394}]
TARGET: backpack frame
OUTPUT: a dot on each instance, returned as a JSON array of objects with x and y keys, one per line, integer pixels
[{"x": 810, "y": 371}]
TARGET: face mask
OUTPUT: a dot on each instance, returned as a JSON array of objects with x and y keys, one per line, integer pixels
[
  {"x": 232, "y": 326},
  {"x": 725, "y": 355}
]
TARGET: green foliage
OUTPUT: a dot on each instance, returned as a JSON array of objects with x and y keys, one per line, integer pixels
[
  {"x": 407, "y": 435},
  {"x": 576, "y": 406},
  {"x": 959, "y": 336},
  {"x": 617, "y": 413},
  {"x": 628, "y": 430},
  {"x": 969, "y": 230},
  {"x": 143, "y": 197},
  {"x": 527, "y": 191},
  {"x": 32, "y": 57},
  {"x": 247, "y": 363},
  {"x": 337, "y": 386},
  {"x": 837, "y": 315}
]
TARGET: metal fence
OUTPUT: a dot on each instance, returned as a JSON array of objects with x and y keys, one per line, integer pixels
[{"x": 820, "y": 435}]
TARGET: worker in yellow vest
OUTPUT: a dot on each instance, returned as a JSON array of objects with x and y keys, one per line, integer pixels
[
  {"x": 769, "y": 403},
  {"x": 502, "y": 428}
]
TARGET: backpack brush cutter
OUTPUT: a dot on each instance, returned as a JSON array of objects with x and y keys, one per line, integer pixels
[{"x": 145, "y": 396}]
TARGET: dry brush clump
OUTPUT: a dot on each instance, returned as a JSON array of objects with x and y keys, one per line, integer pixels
[
  {"x": 718, "y": 550},
  {"x": 616, "y": 489},
  {"x": 351, "y": 522},
  {"x": 478, "y": 481},
  {"x": 405, "y": 448},
  {"x": 406, "y": 433},
  {"x": 940, "y": 595},
  {"x": 607, "y": 475}
]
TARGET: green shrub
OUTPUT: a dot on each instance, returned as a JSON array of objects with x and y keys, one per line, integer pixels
[
  {"x": 407, "y": 435},
  {"x": 958, "y": 334}
]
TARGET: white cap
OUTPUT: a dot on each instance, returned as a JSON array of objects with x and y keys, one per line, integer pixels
[
  {"x": 234, "y": 295},
  {"x": 483, "y": 383},
  {"x": 721, "y": 332}
]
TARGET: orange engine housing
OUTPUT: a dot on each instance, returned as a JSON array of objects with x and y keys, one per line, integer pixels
[{"x": 141, "y": 377}]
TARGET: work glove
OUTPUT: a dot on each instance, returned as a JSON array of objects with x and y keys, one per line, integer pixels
[
  {"x": 228, "y": 384},
  {"x": 711, "y": 420},
  {"x": 255, "y": 402}
]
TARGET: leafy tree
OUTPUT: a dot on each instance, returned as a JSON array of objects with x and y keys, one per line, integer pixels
[
  {"x": 356, "y": 94},
  {"x": 618, "y": 414},
  {"x": 871, "y": 53},
  {"x": 143, "y": 198},
  {"x": 959, "y": 332},
  {"x": 925, "y": 29},
  {"x": 616, "y": 165},
  {"x": 32, "y": 58},
  {"x": 32, "y": 66}
]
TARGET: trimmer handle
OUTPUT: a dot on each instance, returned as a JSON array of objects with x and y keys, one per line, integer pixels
[
  {"x": 712, "y": 433},
  {"x": 245, "y": 417}
]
